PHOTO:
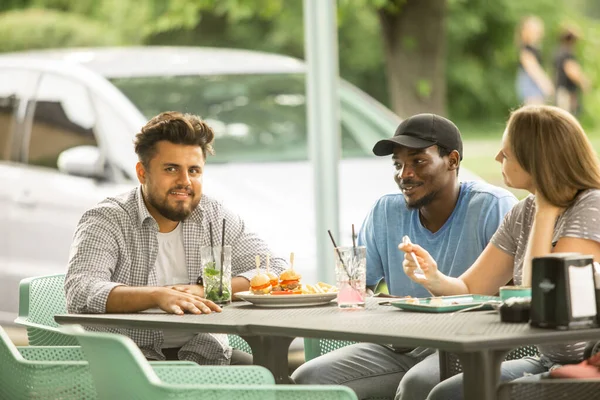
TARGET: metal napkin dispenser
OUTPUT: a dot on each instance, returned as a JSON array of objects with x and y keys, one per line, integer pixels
[{"x": 563, "y": 294}]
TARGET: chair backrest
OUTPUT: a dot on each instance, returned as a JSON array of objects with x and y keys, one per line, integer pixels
[
  {"x": 550, "y": 389},
  {"x": 25, "y": 379},
  {"x": 121, "y": 371},
  {"x": 118, "y": 366},
  {"x": 238, "y": 343},
  {"x": 453, "y": 365},
  {"x": 314, "y": 348},
  {"x": 40, "y": 299}
]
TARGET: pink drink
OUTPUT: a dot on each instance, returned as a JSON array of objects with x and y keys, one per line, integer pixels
[
  {"x": 351, "y": 296},
  {"x": 350, "y": 271}
]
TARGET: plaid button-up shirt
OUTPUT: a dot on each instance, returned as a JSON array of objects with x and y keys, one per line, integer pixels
[{"x": 116, "y": 244}]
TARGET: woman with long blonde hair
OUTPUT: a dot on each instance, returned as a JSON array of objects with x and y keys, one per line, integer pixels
[{"x": 546, "y": 152}]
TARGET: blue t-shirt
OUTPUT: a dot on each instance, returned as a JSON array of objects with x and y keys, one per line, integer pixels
[{"x": 455, "y": 246}]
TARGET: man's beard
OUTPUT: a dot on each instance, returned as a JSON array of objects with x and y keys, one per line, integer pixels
[
  {"x": 178, "y": 213},
  {"x": 422, "y": 202}
]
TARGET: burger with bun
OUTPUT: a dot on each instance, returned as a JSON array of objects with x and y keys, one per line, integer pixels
[
  {"x": 260, "y": 284},
  {"x": 290, "y": 280}
]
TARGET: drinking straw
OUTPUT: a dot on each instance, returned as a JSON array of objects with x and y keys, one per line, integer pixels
[
  {"x": 353, "y": 241},
  {"x": 222, "y": 258},
  {"x": 212, "y": 244},
  {"x": 339, "y": 254}
]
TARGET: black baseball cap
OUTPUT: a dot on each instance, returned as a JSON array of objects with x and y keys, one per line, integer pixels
[{"x": 421, "y": 131}]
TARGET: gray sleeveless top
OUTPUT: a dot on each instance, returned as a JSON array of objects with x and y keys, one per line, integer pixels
[{"x": 581, "y": 220}]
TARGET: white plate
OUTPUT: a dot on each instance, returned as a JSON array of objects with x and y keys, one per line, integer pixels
[{"x": 287, "y": 300}]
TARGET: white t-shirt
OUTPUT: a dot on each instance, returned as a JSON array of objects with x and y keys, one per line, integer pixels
[{"x": 171, "y": 269}]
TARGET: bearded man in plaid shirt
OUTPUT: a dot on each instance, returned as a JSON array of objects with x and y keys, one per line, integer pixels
[{"x": 141, "y": 250}]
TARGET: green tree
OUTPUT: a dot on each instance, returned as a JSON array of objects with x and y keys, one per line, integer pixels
[
  {"x": 455, "y": 57},
  {"x": 38, "y": 29}
]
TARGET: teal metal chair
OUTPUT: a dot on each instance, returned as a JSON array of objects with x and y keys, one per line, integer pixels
[
  {"x": 120, "y": 370},
  {"x": 42, "y": 297}
]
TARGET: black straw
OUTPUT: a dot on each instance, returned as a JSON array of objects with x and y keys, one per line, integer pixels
[
  {"x": 338, "y": 253},
  {"x": 353, "y": 241},
  {"x": 222, "y": 258},
  {"x": 212, "y": 243}
]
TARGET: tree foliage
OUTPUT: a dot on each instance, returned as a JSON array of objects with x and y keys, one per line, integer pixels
[
  {"x": 39, "y": 29},
  {"x": 481, "y": 56}
]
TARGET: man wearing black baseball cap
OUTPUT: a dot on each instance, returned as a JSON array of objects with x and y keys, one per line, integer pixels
[
  {"x": 422, "y": 131},
  {"x": 452, "y": 220}
]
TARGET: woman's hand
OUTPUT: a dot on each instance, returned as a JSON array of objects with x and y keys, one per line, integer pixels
[{"x": 426, "y": 262}]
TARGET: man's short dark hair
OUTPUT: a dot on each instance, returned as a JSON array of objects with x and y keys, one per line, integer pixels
[
  {"x": 174, "y": 127},
  {"x": 443, "y": 152}
]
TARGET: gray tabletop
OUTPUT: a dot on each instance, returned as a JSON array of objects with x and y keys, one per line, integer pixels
[
  {"x": 479, "y": 338},
  {"x": 460, "y": 332}
]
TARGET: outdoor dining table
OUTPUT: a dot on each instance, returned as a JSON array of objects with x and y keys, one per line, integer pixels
[{"x": 479, "y": 339}]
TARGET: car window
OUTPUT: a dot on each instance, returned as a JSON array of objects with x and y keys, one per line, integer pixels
[
  {"x": 256, "y": 118},
  {"x": 14, "y": 87},
  {"x": 63, "y": 117}
]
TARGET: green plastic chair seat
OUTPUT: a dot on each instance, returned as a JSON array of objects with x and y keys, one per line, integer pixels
[
  {"x": 51, "y": 353},
  {"x": 57, "y": 372},
  {"x": 205, "y": 375},
  {"x": 120, "y": 370},
  {"x": 251, "y": 392},
  {"x": 39, "y": 378}
]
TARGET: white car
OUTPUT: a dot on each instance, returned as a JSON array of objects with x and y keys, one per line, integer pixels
[{"x": 67, "y": 121}]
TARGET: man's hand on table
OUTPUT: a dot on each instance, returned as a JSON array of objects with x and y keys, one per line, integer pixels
[
  {"x": 178, "y": 302},
  {"x": 197, "y": 290}
]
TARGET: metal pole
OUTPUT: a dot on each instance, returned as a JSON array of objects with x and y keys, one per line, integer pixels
[{"x": 320, "y": 42}]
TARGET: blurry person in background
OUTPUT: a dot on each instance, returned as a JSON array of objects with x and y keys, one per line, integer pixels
[
  {"x": 533, "y": 84},
  {"x": 570, "y": 80}
]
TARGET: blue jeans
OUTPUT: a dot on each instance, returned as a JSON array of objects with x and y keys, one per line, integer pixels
[
  {"x": 371, "y": 370},
  {"x": 527, "y": 88},
  {"x": 420, "y": 377}
]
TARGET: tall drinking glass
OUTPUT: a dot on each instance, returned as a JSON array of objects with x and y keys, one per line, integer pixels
[
  {"x": 217, "y": 285},
  {"x": 351, "y": 276}
]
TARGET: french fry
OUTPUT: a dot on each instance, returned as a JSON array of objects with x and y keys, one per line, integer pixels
[{"x": 308, "y": 289}]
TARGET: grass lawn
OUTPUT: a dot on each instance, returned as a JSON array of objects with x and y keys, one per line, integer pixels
[{"x": 482, "y": 142}]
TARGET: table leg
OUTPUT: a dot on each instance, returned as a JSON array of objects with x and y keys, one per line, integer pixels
[
  {"x": 481, "y": 373},
  {"x": 444, "y": 372},
  {"x": 271, "y": 352}
]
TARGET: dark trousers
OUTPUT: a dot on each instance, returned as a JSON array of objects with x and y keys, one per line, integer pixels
[{"x": 237, "y": 358}]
